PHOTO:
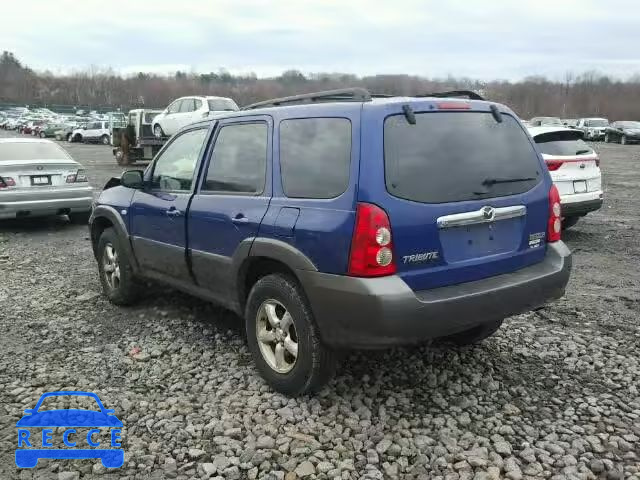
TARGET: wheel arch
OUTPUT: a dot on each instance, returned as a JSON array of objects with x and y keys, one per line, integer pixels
[
  {"x": 103, "y": 217},
  {"x": 256, "y": 258}
]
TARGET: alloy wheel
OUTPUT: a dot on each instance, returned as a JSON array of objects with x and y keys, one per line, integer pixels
[
  {"x": 277, "y": 337},
  {"x": 111, "y": 266}
]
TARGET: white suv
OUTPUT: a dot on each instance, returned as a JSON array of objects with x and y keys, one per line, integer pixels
[
  {"x": 575, "y": 169},
  {"x": 186, "y": 110},
  {"x": 92, "y": 132}
]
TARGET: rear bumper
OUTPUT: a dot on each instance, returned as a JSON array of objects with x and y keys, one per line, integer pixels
[
  {"x": 382, "y": 312},
  {"x": 45, "y": 202},
  {"x": 579, "y": 205}
]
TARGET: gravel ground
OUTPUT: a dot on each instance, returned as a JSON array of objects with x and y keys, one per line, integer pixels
[{"x": 553, "y": 395}]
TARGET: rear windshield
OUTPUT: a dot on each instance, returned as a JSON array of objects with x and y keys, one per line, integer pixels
[
  {"x": 597, "y": 123},
  {"x": 455, "y": 156},
  {"x": 562, "y": 143},
  {"x": 31, "y": 151},
  {"x": 217, "y": 104}
]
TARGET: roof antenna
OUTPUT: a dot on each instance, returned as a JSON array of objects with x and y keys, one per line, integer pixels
[
  {"x": 410, "y": 116},
  {"x": 496, "y": 113}
]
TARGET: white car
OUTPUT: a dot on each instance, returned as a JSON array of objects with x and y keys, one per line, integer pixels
[
  {"x": 187, "y": 110},
  {"x": 575, "y": 169},
  {"x": 92, "y": 132},
  {"x": 38, "y": 177}
]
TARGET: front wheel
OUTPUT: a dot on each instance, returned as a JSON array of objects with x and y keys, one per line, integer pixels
[
  {"x": 623, "y": 140},
  {"x": 283, "y": 337},
  {"x": 116, "y": 275},
  {"x": 157, "y": 131},
  {"x": 474, "y": 335},
  {"x": 43, "y": 135},
  {"x": 105, "y": 140},
  {"x": 606, "y": 138}
]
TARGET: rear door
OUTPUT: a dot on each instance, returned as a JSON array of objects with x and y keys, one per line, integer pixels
[
  {"x": 231, "y": 201},
  {"x": 572, "y": 163},
  {"x": 467, "y": 196},
  {"x": 158, "y": 213}
]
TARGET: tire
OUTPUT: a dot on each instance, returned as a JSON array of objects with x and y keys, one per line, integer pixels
[
  {"x": 104, "y": 139},
  {"x": 123, "y": 289},
  {"x": 80, "y": 218},
  {"x": 157, "y": 131},
  {"x": 43, "y": 135},
  {"x": 606, "y": 138},
  {"x": 473, "y": 335},
  {"x": 568, "y": 222},
  {"x": 68, "y": 137},
  {"x": 314, "y": 364},
  {"x": 623, "y": 140}
]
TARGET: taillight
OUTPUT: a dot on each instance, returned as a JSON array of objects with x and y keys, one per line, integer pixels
[
  {"x": 79, "y": 176},
  {"x": 7, "y": 182},
  {"x": 371, "y": 247},
  {"x": 553, "y": 165},
  {"x": 554, "y": 227}
]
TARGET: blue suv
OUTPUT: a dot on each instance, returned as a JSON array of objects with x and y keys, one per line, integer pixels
[{"x": 339, "y": 220}]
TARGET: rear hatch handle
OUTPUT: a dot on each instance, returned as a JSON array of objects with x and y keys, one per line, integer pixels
[{"x": 484, "y": 215}]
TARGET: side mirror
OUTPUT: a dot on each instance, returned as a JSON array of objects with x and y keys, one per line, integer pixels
[{"x": 132, "y": 179}]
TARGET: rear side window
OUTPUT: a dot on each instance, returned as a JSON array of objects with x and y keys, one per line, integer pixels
[
  {"x": 454, "y": 156},
  {"x": 562, "y": 143},
  {"x": 239, "y": 160},
  {"x": 315, "y": 154}
]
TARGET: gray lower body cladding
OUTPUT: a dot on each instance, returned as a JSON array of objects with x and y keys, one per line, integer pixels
[{"x": 383, "y": 312}]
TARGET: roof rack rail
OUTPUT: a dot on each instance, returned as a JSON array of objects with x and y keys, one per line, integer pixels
[
  {"x": 454, "y": 93},
  {"x": 356, "y": 94}
]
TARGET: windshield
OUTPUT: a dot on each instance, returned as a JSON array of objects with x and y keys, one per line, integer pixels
[
  {"x": 32, "y": 151},
  {"x": 629, "y": 124},
  {"x": 550, "y": 121},
  {"x": 454, "y": 156},
  {"x": 562, "y": 143},
  {"x": 217, "y": 104},
  {"x": 597, "y": 123}
]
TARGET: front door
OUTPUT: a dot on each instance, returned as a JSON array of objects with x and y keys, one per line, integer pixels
[
  {"x": 158, "y": 213},
  {"x": 231, "y": 201}
]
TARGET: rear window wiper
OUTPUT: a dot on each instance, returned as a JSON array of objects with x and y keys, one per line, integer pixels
[{"x": 494, "y": 181}]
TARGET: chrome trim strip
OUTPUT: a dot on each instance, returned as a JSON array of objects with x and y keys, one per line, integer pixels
[{"x": 484, "y": 215}]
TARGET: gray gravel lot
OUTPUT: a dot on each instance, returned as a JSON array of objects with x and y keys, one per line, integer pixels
[{"x": 555, "y": 394}]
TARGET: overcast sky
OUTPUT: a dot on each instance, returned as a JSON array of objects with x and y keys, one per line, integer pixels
[{"x": 505, "y": 39}]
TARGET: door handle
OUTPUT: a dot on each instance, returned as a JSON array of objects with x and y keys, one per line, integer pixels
[
  {"x": 173, "y": 212},
  {"x": 240, "y": 218}
]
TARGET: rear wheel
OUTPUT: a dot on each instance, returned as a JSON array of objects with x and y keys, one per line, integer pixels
[
  {"x": 606, "y": 138},
  {"x": 623, "y": 140},
  {"x": 105, "y": 139},
  {"x": 283, "y": 337},
  {"x": 43, "y": 135},
  {"x": 116, "y": 275},
  {"x": 568, "y": 222},
  {"x": 474, "y": 335}
]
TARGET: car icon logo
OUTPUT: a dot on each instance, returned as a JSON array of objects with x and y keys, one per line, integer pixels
[
  {"x": 82, "y": 435},
  {"x": 488, "y": 213}
]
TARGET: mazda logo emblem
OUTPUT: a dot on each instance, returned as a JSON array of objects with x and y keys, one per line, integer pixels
[
  {"x": 39, "y": 167},
  {"x": 488, "y": 213}
]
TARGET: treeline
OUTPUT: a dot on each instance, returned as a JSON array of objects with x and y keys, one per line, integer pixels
[{"x": 588, "y": 94}]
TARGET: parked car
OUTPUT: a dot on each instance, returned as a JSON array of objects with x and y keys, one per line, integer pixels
[
  {"x": 38, "y": 177},
  {"x": 545, "y": 121},
  {"x": 623, "y": 132},
  {"x": 187, "y": 110},
  {"x": 345, "y": 236},
  {"x": 570, "y": 122},
  {"x": 593, "y": 128},
  {"x": 574, "y": 168},
  {"x": 92, "y": 132}
]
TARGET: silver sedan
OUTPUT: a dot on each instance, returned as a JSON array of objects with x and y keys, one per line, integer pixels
[{"x": 38, "y": 178}]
